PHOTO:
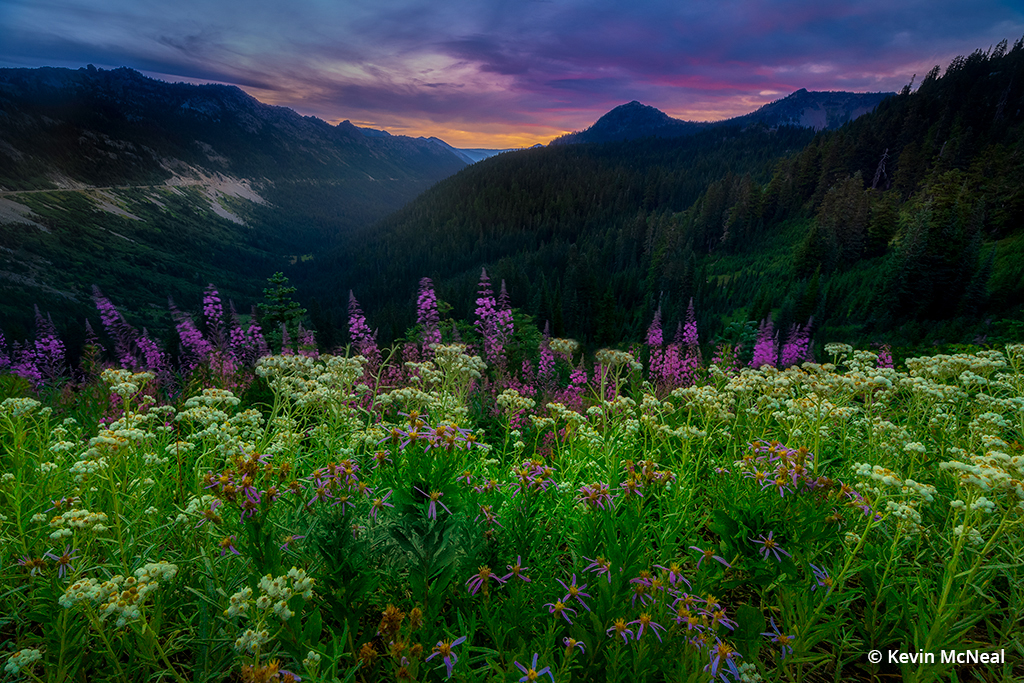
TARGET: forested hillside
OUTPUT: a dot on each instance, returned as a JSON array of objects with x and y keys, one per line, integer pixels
[
  {"x": 904, "y": 220},
  {"x": 571, "y": 228}
]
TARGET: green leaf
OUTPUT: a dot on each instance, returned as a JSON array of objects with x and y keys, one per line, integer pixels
[
  {"x": 750, "y": 624},
  {"x": 314, "y": 626},
  {"x": 723, "y": 524},
  {"x": 405, "y": 543}
]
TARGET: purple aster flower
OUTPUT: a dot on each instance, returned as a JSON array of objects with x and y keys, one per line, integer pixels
[
  {"x": 445, "y": 649},
  {"x": 571, "y": 643},
  {"x": 34, "y": 565},
  {"x": 675, "y": 574},
  {"x": 210, "y": 514},
  {"x": 435, "y": 499},
  {"x": 227, "y": 544},
  {"x": 631, "y": 487},
  {"x": 780, "y": 639},
  {"x": 709, "y": 555},
  {"x": 379, "y": 504},
  {"x": 63, "y": 560},
  {"x": 558, "y": 608},
  {"x": 291, "y": 539},
  {"x": 620, "y": 628},
  {"x": 532, "y": 673},
  {"x": 480, "y": 579},
  {"x": 596, "y": 495},
  {"x": 488, "y": 514},
  {"x": 722, "y": 656},
  {"x": 488, "y": 486},
  {"x": 822, "y": 580},
  {"x": 574, "y": 591},
  {"x": 321, "y": 491},
  {"x": 250, "y": 503},
  {"x": 770, "y": 546},
  {"x": 599, "y": 566},
  {"x": 645, "y": 622},
  {"x": 780, "y": 483},
  {"x": 516, "y": 570},
  {"x": 718, "y": 617}
]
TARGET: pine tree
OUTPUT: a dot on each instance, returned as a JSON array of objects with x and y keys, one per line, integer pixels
[{"x": 280, "y": 309}]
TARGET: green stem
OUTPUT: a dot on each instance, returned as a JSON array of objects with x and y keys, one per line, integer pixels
[
  {"x": 106, "y": 643},
  {"x": 155, "y": 640}
]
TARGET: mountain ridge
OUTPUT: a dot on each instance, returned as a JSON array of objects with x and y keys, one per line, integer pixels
[
  {"x": 158, "y": 126},
  {"x": 820, "y": 110}
]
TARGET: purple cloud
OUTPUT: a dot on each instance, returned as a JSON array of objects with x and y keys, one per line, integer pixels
[{"x": 484, "y": 73}]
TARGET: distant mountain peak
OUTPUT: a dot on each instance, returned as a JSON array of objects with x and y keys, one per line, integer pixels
[
  {"x": 628, "y": 122},
  {"x": 808, "y": 109}
]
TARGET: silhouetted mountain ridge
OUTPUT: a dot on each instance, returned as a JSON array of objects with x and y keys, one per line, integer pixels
[
  {"x": 817, "y": 110},
  {"x": 127, "y": 128}
]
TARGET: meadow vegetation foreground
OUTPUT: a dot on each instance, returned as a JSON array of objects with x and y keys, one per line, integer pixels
[{"x": 450, "y": 510}]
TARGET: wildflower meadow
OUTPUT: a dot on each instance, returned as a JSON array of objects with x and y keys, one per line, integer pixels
[{"x": 479, "y": 504}]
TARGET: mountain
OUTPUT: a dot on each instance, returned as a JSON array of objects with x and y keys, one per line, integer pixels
[
  {"x": 125, "y": 128},
  {"x": 816, "y": 110},
  {"x": 150, "y": 189},
  {"x": 630, "y": 122},
  {"x": 905, "y": 224},
  {"x": 470, "y": 156}
]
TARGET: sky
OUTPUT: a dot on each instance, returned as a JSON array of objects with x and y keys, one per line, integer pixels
[{"x": 500, "y": 74}]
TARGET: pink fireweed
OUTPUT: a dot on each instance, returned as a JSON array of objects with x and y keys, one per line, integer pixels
[
  {"x": 5, "y": 359},
  {"x": 796, "y": 350},
  {"x": 123, "y": 334},
  {"x": 427, "y": 316},
  {"x": 213, "y": 312},
  {"x": 363, "y": 339},
  {"x": 487, "y": 320},
  {"x": 49, "y": 349},
  {"x": 196, "y": 348},
  {"x": 766, "y": 349}
]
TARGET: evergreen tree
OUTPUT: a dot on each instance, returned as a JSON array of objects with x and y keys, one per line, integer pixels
[{"x": 279, "y": 309}]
